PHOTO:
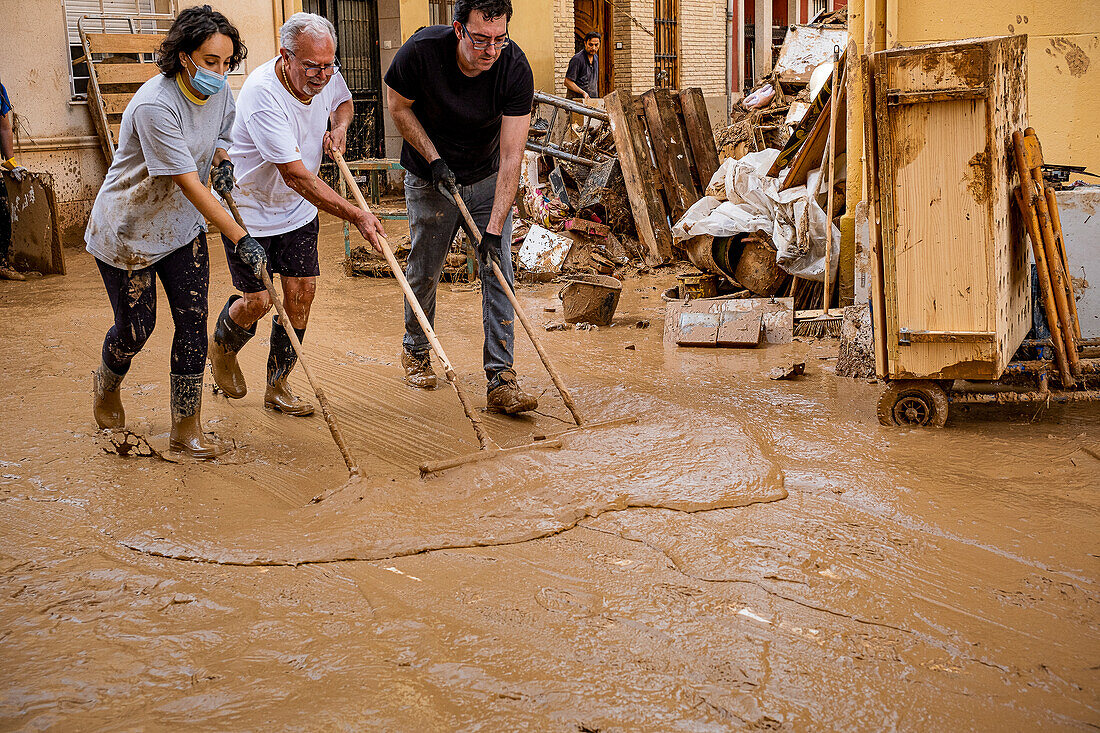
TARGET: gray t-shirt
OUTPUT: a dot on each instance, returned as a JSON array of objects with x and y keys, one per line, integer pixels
[{"x": 140, "y": 215}]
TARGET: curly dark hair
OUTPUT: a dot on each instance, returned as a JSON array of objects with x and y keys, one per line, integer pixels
[
  {"x": 189, "y": 31},
  {"x": 491, "y": 9}
]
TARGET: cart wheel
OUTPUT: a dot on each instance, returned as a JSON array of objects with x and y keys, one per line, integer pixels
[{"x": 913, "y": 402}]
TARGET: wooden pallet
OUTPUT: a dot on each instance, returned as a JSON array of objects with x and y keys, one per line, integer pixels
[
  {"x": 115, "y": 72},
  {"x": 667, "y": 153}
]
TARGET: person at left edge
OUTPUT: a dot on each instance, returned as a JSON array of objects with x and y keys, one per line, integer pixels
[
  {"x": 148, "y": 222},
  {"x": 283, "y": 111},
  {"x": 18, "y": 172}
]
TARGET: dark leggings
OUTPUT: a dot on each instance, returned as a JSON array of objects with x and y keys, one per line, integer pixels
[
  {"x": 185, "y": 277},
  {"x": 5, "y": 223}
]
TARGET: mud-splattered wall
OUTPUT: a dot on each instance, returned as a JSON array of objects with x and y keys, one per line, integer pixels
[
  {"x": 55, "y": 133},
  {"x": 1063, "y": 59}
]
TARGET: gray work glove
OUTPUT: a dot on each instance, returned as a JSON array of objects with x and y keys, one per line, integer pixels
[
  {"x": 221, "y": 178},
  {"x": 252, "y": 254}
]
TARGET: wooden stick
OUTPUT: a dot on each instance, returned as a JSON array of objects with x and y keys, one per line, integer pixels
[
  {"x": 1053, "y": 258},
  {"x": 475, "y": 236},
  {"x": 826, "y": 299},
  {"x": 479, "y": 429},
  {"x": 1050, "y": 309},
  {"x": 337, "y": 436},
  {"x": 1059, "y": 240}
]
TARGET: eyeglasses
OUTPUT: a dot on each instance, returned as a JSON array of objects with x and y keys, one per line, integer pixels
[
  {"x": 482, "y": 45},
  {"x": 317, "y": 69}
]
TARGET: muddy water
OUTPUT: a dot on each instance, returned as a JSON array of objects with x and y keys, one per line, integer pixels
[{"x": 750, "y": 554}]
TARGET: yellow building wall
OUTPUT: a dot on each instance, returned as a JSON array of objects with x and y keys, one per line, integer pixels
[
  {"x": 532, "y": 27},
  {"x": 1063, "y": 60}
]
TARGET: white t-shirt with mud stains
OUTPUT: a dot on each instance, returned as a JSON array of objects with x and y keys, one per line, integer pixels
[
  {"x": 140, "y": 215},
  {"x": 274, "y": 127}
]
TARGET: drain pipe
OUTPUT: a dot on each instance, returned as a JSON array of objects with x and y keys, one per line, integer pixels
[{"x": 729, "y": 60}]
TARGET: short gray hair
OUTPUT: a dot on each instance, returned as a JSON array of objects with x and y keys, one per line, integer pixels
[{"x": 309, "y": 23}]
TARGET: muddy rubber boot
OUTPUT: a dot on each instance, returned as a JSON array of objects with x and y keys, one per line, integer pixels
[
  {"x": 508, "y": 398},
  {"x": 418, "y": 369},
  {"x": 186, "y": 435},
  {"x": 280, "y": 362},
  {"x": 107, "y": 399},
  {"x": 229, "y": 338}
]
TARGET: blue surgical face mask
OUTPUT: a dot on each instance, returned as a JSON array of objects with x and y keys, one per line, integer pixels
[{"x": 205, "y": 81}]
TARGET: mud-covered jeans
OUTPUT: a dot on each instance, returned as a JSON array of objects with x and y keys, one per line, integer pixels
[
  {"x": 434, "y": 221},
  {"x": 185, "y": 277}
]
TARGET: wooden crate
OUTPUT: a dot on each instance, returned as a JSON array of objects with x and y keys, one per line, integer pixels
[{"x": 956, "y": 286}]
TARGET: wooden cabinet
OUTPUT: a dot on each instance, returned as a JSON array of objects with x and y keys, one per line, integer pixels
[{"x": 953, "y": 294}]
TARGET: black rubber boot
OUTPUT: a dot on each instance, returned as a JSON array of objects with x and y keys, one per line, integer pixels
[
  {"x": 186, "y": 433},
  {"x": 229, "y": 338},
  {"x": 280, "y": 362},
  {"x": 107, "y": 398}
]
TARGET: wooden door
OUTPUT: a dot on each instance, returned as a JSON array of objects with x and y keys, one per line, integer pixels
[{"x": 594, "y": 16}]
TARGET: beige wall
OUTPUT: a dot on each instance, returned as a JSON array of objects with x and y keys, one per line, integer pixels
[
  {"x": 56, "y": 134},
  {"x": 1063, "y": 60}
]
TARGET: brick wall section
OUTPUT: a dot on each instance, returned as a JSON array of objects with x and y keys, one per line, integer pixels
[
  {"x": 634, "y": 62},
  {"x": 702, "y": 44},
  {"x": 563, "y": 43}
]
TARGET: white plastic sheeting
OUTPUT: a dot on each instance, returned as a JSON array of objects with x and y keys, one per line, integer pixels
[{"x": 742, "y": 198}]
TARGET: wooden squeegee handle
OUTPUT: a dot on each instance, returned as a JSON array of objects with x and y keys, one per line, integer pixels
[
  {"x": 422, "y": 319},
  {"x": 567, "y": 398},
  {"x": 337, "y": 436}
]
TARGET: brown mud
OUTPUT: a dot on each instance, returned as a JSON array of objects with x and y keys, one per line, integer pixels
[{"x": 750, "y": 554}]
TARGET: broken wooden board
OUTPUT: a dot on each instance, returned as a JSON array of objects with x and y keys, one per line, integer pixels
[
  {"x": 35, "y": 235},
  {"x": 729, "y": 322},
  {"x": 809, "y": 156},
  {"x": 669, "y": 150},
  {"x": 700, "y": 135},
  {"x": 650, "y": 217}
]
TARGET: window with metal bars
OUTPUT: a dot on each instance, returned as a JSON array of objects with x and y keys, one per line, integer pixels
[
  {"x": 356, "y": 23},
  {"x": 121, "y": 18},
  {"x": 666, "y": 43}
]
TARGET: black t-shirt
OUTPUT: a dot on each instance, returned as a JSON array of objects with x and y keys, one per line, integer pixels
[
  {"x": 461, "y": 114},
  {"x": 582, "y": 73}
]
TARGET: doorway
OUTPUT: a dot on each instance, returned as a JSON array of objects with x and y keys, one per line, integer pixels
[
  {"x": 356, "y": 23},
  {"x": 594, "y": 16}
]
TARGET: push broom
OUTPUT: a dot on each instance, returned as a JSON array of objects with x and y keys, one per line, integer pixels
[{"x": 489, "y": 449}]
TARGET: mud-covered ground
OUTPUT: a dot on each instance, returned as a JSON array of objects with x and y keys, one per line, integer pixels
[{"x": 750, "y": 554}]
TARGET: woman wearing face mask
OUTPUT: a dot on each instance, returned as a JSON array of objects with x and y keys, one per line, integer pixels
[{"x": 148, "y": 218}]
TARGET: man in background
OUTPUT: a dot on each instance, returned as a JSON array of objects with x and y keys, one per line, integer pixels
[{"x": 581, "y": 78}]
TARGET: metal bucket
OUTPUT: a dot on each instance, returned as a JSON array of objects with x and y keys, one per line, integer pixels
[{"x": 590, "y": 298}]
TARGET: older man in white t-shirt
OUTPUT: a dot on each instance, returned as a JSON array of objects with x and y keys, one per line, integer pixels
[{"x": 290, "y": 111}]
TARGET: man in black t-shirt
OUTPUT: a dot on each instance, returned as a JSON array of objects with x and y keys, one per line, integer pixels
[
  {"x": 582, "y": 76},
  {"x": 461, "y": 96}
]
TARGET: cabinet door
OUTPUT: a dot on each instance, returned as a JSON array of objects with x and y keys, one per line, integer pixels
[{"x": 942, "y": 241}]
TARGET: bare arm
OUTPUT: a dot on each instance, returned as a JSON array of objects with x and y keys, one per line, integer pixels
[
  {"x": 7, "y": 138},
  {"x": 339, "y": 122},
  {"x": 199, "y": 195},
  {"x": 572, "y": 86},
  {"x": 513, "y": 138},
  {"x": 410, "y": 127},
  {"x": 299, "y": 179}
]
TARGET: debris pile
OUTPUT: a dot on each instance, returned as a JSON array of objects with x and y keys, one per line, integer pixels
[{"x": 768, "y": 215}]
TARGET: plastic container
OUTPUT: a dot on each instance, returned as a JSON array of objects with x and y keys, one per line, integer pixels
[{"x": 590, "y": 299}]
